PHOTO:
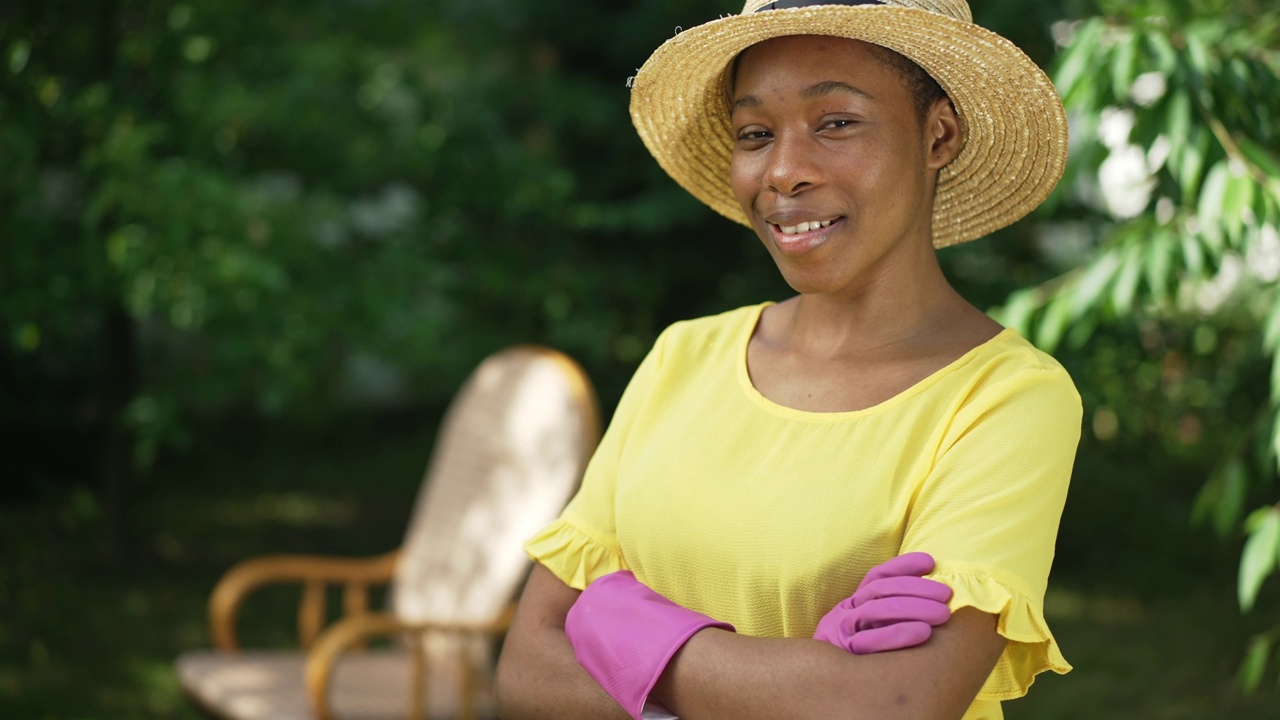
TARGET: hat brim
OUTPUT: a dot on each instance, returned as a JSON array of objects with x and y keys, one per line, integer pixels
[{"x": 1011, "y": 116}]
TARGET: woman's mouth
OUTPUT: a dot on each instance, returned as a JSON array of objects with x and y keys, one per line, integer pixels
[
  {"x": 803, "y": 227},
  {"x": 803, "y": 236}
]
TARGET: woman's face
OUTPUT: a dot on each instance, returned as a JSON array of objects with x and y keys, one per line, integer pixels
[{"x": 832, "y": 162}]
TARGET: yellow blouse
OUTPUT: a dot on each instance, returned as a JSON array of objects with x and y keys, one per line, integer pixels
[{"x": 765, "y": 516}]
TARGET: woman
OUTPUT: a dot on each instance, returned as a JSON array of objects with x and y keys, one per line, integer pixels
[{"x": 766, "y": 463}]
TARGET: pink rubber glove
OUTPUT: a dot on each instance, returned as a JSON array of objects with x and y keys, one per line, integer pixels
[
  {"x": 893, "y": 608},
  {"x": 624, "y": 634}
]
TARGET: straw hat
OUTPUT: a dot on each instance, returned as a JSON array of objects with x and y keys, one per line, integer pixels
[{"x": 1011, "y": 117}]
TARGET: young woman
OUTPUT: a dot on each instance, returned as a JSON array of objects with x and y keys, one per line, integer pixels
[{"x": 752, "y": 537}]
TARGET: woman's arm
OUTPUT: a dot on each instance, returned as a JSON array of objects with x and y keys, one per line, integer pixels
[
  {"x": 719, "y": 674},
  {"x": 538, "y": 675}
]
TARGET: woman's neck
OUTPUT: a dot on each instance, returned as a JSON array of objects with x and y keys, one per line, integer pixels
[{"x": 880, "y": 318}]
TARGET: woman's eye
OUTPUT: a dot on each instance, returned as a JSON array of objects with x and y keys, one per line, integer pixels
[
  {"x": 753, "y": 135},
  {"x": 839, "y": 123}
]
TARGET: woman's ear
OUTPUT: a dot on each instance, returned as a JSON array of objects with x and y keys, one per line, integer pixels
[{"x": 942, "y": 133}]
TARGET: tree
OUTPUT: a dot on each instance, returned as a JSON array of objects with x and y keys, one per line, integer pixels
[
  {"x": 232, "y": 209},
  {"x": 1168, "y": 224}
]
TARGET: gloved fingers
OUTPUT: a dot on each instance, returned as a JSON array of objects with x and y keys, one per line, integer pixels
[
  {"x": 879, "y": 613},
  {"x": 904, "y": 586},
  {"x": 915, "y": 563},
  {"x": 891, "y": 637}
]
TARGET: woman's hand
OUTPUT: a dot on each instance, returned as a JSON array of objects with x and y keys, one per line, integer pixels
[
  {"x": 624, "y": 633},
  {"x": 893, "y": 608}
]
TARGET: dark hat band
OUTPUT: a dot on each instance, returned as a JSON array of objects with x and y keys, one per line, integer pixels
[{"x": 784, "y": 4}]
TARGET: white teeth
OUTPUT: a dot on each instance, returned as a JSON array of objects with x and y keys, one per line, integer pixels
[{"x": 804, "y": 227}]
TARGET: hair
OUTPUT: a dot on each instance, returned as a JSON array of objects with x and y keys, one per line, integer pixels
[{"x": 925, "y": 91}]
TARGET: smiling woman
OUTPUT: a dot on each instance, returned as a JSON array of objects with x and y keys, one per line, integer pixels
[
  {"x": 843, "y": 504},
  {"x": 824, "y": 166}
]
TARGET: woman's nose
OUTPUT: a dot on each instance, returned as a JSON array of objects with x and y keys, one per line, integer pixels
[{"x": 792, "y": 165}]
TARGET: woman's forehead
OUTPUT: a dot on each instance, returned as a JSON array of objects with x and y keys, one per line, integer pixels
[
  {"x": 805, "y": 45},
  {"x": 804, "y": 57}
]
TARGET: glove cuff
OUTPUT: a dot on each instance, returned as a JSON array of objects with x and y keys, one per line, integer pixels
[{"x": 624, "y": 634}]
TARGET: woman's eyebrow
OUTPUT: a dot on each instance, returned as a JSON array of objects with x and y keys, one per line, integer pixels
[{"x": 826, "y": 87}]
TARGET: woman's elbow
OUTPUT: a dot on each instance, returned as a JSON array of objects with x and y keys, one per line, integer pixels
[{"x": 506, "y": 686}]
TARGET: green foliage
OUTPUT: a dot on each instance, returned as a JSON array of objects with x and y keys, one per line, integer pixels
[
  {"x": 1261, "y": 554},
  {"x": 237, "y": 208},
  {"x": 1170, "y": 219}
]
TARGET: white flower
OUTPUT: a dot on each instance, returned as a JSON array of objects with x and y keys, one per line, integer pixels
[
  {"x": 1263, "y": 256},
  {"x": 1214, "y": 293},
  {"x": 1148, "y": 88},
  {"x": 1114, "y": 127},
  {"x": 1126, "y": 182},
  {"x": 1064, "y": 32}
]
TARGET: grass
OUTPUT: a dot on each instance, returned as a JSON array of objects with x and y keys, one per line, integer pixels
[
  {"x": 85, "y": 638},
  {"x": 1172, "y": 657}
]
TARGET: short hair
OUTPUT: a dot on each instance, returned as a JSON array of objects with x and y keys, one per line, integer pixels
[{"x": 925, "y": 91}]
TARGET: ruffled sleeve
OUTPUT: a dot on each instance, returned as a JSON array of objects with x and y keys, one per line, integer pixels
[
  {"x": 582, "y": 544},
  {"x": 1031, "y": 649},
  {"x": 574, "y": 555},
  {"x": 988, "y": 512}
]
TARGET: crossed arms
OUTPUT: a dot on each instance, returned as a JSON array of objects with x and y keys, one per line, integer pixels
[{"x": 718, "y": 674}]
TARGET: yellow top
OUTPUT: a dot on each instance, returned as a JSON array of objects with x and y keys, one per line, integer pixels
[{"x": 765, "y": 516}]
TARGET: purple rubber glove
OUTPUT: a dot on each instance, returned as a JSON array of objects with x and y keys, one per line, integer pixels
[
  {"x": 893, "y": 608},
  {"x": 624, "y": 634}
]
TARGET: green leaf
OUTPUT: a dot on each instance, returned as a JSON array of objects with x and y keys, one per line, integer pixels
[
  {"x": 1165, "y": 54},
  {"x": 1093, "y": 284},
  {"x": 1018, "y": 311},
  {"x": 1212, "y": 193},
  {"x": 1237, "y": 198},
  {"x": 1126, "y": 287},
  {"x": 1259, "y": 156},
  {"x": 1053, "y": 323},
  {"x": 1081, "y": 331},
  {"x": 1271, "y": 332},
  {"x": 1122, "y": 63},
  {"x": 1158, "y": 268},
  {"x": 1077, "y": 61},
  {"x": 1260, "y": 558},
  {"x": 1230, "y": 503},
  {"x": 1255, "y": 662},
  {"x": 1192, "y": 163},
  {"x": 1177, "y": 123},
  {"x": 1275, "y": 380},
  {"x": 1199, "y": 55},
  {"x": 1192, "y": 255}
]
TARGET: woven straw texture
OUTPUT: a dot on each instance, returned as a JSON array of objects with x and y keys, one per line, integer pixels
[{"x": 1011, "y": 116}]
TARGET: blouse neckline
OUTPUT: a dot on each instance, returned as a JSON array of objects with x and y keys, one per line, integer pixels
[{"x": 747, "y": 329}]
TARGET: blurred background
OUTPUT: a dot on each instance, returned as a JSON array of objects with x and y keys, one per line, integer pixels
[{"x": 249, "y": 249}]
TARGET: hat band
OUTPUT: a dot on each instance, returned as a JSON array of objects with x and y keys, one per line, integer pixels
[{"x": 784, "y": 4}]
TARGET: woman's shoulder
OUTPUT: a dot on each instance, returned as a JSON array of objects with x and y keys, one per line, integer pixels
[
  {"x": 719, "y": 329},
  {"x": 1010, "y": 351},
  {"x": 1009, "y": 363}
]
